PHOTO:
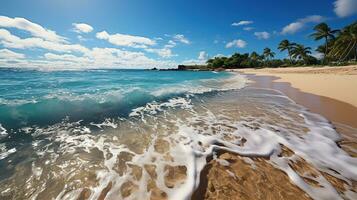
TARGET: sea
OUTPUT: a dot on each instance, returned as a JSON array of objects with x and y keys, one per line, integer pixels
[{"x": 146, "y": 134}]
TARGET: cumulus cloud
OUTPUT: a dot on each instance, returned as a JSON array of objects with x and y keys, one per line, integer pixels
[
  {"x": 236, "y": 43},
  {"x": 300, "y": 24},
  {"x": 242, "y": 23},
  {"x": 95, "y": 58},
  {"x": 8, "y": 54},
  {"x": 345, "y": 8},
  {"x": 82, "y": 28},
  {"x": 262, "y": 35},
  {"x": 67, "y": 57},
  {"x": 34, "y": 29},
  {"x": 202, "y": 55},
  {"x": 11, "y": 41},
  {"x": 126, "y": 40},
  {"x": 61, "y": 54},
  {"x": 200, "y": 60},
  {"x": 164, "y": 52},
  {"x": 181, "y": 38}
]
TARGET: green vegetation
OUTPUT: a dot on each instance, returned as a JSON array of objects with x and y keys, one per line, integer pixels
[{"x": 339, "y": 48}]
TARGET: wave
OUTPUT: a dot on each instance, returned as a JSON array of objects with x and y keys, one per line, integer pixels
[
  {"x": 106, "y": 103},
  {"x": 163, "y": 146}
]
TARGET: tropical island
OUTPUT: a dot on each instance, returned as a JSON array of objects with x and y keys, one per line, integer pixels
[{"x": 339, "y": 49}]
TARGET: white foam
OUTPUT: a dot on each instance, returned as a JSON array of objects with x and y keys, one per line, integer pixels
[
  {"x": 193, "y": 136},
  {"x": 4, "y": 153},
  {"x": 16, "y": 102},
  {"x": 106, "y": 123},
  {"x": 235, "y": 81},
  {"x": 3, "y": 131},
  {"x": 154, "y": 107}
]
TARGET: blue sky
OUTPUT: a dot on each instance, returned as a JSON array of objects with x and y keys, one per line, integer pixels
[{"x": 156, "y": 33}]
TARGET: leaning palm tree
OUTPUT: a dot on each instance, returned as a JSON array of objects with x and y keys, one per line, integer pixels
[
  {"x": 345, "y": 46},
  {"x": 323, "y": 31},
  {"x": 301, "y": 52},
  {"x": 268, "y": 53},
  {"x": 286, "y": 45}
]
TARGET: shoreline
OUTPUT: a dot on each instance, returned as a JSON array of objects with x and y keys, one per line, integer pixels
[
  {"x": 332, "y": 82},
  {"x": 339, "y": 113},
  {"x": 342, "y": 115},
  {"x": 333, "y": 109}
]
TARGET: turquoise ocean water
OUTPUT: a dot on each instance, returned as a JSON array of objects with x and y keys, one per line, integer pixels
[
  {"x": 140, "y": 134},
  {"x": 31, "y": 97}
]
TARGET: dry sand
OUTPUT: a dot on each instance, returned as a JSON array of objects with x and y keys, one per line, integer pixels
[{"x": 338, "y": 83}]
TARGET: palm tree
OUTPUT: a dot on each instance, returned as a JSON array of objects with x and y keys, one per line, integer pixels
[
  {"x": 345, "y": 45},
  {"x": 254, "y": 56},
  {"x": 323, "y": 31},
  {"x": 268, "y": 53},
  {"x": 301, "y": 52},
  {"x": 286, "y": 45}
]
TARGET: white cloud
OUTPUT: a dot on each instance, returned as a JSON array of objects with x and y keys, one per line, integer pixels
[
  {"x": 242, "y": 23},
  {"x": 11, "y": 41},
  {"x": 300, "y": 24},
  {"x": 170, "y": 44},
  {"x": 193, "y": 62},
  {"x": 181, "y": 38},
  {"x": 201, "y": 59},
  {"x": 67, "y": 57},
  {"x": 74, "y": 56},
  {"x": 292, "y": 28},
  {"x": 126, "y": 40},
  {"x": 82, "y": 28},
  {"x": 95, "y": 58},
  {"x": 220, "y": 56},
  {"x": 202, "y": 55},
  {"x": 236, "y": 43},
  {"x": 164, "y": 52},
  {"x": 34, "y": 29},
  {"x": 344, "y": 8},
  {"x": 8, "y": 54},
  {"x": 312, "y": 18},
  {"x": 248, "y": 28},
  {"x": 262, "y": 35}
]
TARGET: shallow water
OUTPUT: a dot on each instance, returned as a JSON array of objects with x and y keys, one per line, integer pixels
[{"x": 154, "y": 142}]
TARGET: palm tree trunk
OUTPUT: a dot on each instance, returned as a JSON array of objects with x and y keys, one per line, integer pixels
[
  {"x": 345, "y": 51},
  {"x": 336, "y": 50},
  {"x": 326, "y": 48},
  {"x": 354, "y": 44}
]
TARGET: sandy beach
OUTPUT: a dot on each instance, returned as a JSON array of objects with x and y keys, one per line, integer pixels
[
  {"x": 334, "y": 82},
  {"x": 326, "y": 91}
]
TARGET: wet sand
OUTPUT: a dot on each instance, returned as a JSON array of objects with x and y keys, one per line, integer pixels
[
  {"x": 338, "y": 112},
  {"x": 240, "y": 181},
  {"x": 342, "y": 115}
]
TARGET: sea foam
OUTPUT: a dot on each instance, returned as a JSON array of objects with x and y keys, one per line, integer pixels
[{"x": 177, "y": 136}]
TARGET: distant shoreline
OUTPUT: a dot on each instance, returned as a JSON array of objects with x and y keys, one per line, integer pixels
[{"x": 325, "y": 90}]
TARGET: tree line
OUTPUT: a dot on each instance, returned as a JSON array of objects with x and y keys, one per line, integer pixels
[{"x": 339, "y": 48}]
